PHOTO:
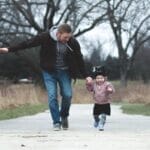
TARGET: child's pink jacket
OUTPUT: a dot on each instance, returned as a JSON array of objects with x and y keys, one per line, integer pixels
[{"x": 100, "y": 93}]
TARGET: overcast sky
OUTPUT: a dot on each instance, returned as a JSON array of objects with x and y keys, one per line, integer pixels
[{"x": 104, "y": 34}]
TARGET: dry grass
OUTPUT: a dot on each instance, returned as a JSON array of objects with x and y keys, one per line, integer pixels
[
  {"x": 15, "y": 95},
  {"x": 81, "y": 95},
  {"x": 136, "y": 92}
]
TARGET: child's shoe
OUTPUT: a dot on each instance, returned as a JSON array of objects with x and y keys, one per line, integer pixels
[{"x": 101, "y": 127}]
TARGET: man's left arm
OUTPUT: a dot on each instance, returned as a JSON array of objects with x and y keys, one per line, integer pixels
[{"x": 80, "y": 60}]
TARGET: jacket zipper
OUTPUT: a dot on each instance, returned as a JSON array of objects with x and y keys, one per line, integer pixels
[{"x": 69, "y": 47}]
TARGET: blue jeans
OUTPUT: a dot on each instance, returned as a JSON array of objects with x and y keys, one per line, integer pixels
[{"x": 63, "y": 79}]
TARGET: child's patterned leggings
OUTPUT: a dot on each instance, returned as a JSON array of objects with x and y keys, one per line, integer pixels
[{"x": 100, "y": 118}]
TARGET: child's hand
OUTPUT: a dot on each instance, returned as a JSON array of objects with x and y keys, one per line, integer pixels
[
  {"x": 109, "y": 89},
  {"x": 89, "y": 80}
]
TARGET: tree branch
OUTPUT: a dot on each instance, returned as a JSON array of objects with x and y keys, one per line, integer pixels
[
  {"x": 27, "y": 14},
  {"x": 136, "y": 31}
]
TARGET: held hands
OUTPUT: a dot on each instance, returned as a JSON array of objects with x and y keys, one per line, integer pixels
[
  {"x": 89, "y": 80},
  {"x": 3, "y": 50}
]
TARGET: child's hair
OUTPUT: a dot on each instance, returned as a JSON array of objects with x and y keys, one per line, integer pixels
[{"x": 99, "y": 70}]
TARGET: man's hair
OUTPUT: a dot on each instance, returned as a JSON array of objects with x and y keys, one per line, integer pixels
[{"x": 64, "y": 28}]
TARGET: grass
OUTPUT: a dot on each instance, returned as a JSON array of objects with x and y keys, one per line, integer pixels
[
  {"x": 23, "y": 110},
  {"x": 136, "y": 109},
  {"x": 20, "y": 100}
]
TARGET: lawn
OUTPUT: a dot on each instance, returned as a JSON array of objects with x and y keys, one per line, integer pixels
[
  {"x": 136, "y": 109},
  {"x": 22, "y": 110},
  {"x": 27, "y": 99}
]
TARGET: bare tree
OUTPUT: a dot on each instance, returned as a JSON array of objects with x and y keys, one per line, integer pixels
[
  {"x": 95, "y": 54},
  {"x": 29, "y": 17},
  {"x": 130, "y": 23},
  {"x": 129, "y": 20},
  {"x": 142, "y": 62},
  {"x": 22, "y": 19}
]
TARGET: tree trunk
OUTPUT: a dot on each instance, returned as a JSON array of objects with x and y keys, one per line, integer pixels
[{"x": 123, "y": 77}]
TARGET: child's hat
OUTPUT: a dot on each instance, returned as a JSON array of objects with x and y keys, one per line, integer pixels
[{"x": 99, "y": 70}]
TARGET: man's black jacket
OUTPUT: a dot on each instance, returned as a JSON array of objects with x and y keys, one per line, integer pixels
[{"x": 73, "y": 59}]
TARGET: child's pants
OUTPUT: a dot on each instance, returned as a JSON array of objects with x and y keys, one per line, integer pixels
[{"x": 100, "y": 118}]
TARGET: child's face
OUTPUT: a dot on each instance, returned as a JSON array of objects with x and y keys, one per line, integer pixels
[{"x": 100, "y": 79}]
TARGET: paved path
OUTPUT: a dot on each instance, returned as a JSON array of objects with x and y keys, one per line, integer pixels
[{"x": 122, "y": 132}]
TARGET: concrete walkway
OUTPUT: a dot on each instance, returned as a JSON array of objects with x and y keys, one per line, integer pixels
[{"x": 122, "y": 132}]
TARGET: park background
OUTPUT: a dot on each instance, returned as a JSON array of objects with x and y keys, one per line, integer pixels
[{"x": 114, "y": 33}]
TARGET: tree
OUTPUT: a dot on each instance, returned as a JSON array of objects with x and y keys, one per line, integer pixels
[
  {"x": 112, "y": 64},
  {"x": 141, "y": 63},
  {"x": 29, "y": 17},
  {"x": 95, "y": 54},
  {"x": 22, "y": 19},
  {"x": 130, "y": 23}
]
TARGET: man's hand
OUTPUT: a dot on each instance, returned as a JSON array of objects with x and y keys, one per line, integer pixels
[{"x": 4, "y": 50}]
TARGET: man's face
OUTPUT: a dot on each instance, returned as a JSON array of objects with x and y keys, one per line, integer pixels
[{"x": 63, "y": 37}]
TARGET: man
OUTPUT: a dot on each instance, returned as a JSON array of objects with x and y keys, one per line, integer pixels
[{"x": 60, "y": 60}]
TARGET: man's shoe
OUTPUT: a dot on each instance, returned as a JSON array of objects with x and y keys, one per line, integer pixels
[
  {"x": 64, "y": 123},
  {"x": 56, "y": 127}
]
